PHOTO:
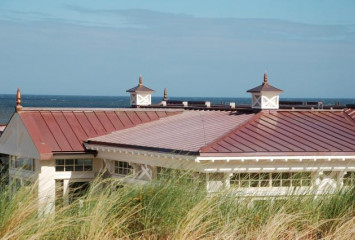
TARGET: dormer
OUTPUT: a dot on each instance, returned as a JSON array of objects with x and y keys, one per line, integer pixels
[
  {"x": 265, "y": 96},
  {"x": 140, "y": 95}
]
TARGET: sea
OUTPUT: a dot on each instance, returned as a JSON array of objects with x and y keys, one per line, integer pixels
[{"x": 8, "y": 102}]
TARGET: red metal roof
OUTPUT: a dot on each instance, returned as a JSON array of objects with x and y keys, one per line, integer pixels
[
  {"x": 65, "y": 130},
  {"x": 351, "y": 113},
  {"x": 289, "y": 133},
  {"x": 268, "y": 133},
  {"x": 188, "y": 131}
]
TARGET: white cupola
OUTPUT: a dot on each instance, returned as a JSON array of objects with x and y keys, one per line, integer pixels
[
  {"x": 140, "y": 95},
  {"x": 265, "y": 96}
]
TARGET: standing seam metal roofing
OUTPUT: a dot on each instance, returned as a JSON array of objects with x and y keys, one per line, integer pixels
[
  {"x": 351, "y": 113},
  {"x": 56, "y": 130},
  {"x": 294, "y": 132},
  {"x": 188, "y": 131}
]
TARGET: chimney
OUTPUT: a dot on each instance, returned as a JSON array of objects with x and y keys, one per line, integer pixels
[{"x": 265, "y": 96}]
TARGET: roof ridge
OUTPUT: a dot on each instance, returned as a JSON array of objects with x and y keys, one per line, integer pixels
[{"x": 255, "y": 117}]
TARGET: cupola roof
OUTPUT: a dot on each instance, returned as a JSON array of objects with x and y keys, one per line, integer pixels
[
  {"x": 140, "y": 87},
  {"x": 264, "y": 87}
]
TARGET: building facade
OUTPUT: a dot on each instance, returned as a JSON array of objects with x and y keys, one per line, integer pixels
[{"x": 257, "y": 151}]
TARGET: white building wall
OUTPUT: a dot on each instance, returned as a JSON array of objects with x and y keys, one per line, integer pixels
[{"x": 16, "y": 140}]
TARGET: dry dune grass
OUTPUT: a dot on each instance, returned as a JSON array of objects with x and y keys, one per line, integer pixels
[{"x": 174, "y": 209}]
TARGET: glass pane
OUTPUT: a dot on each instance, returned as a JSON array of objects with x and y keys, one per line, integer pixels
[
  {"x": 79, "y": 161},
  {"x": 244, "y": 183},
  {"x": 276, "y": 183},
  {"x": 235, "y": 177},
  {"x": 264, "y": 176},
  {"x": 276, "y": 176},
  {"x": 296, "y": 182},
  {"x": 87, "y": 168},
  {"x": 59, "y": 161},
  {"x": 254, "y": 183},
  {"x": 59, "y": 168},
  {"x": 286, "y": 183},
  {"x": 264, "y": 183},
  {"x": 88, "y": 161},
  {"x": 79, "y": 168},
  {"x": 69, "y": 162},
  {"x": 254, "y": 176},
  {"x": 244, "y": 176},
  {"x": 69, "y": 168},
  {"x": 286, "y": 175}
]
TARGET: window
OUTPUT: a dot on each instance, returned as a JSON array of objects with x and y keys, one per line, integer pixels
[
  {"x": 123, "y": 168},
  {"x": 76, "y": 165},
  {"x": 349, "y": 179},
  {"x": 271, "y": 179},
  {"x": 23, "y": 163}
]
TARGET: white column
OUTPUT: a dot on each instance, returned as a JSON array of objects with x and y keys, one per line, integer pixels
[
  {"x": 46, "y": 187},
  {"x": 226, "y": 180},
  {"x": 66, "y": 191}
]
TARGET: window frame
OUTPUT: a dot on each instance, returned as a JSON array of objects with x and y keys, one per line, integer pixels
[
  {"x": 74, "y": 165},
  {"x": 22, "y": 163},
  {"x": 271, "y": 179},
  {"x": 123, "y": 168}
]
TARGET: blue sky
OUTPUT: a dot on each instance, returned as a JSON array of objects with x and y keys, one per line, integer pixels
[{"x": 194, "y": 48}]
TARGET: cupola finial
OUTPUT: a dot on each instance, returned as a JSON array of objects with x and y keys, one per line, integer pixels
[
  {"x": 165, "y": 95},
  {"x": 18, "y": 100},
  {"x": 140, "y": 80},
  {"x": 265, "y": 79}
]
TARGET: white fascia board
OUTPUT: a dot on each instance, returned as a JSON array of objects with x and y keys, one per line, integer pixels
[{"x": 276, "y": 158}]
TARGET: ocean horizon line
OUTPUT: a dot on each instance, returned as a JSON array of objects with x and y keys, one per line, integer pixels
[{"x": 170, "y": 97}]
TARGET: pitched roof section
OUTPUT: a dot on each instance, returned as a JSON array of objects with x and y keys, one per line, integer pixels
[
  {"x": 187, "y": 132},
  {"x": 289, "y": 133},
  {"x": 65, "y": 130}
]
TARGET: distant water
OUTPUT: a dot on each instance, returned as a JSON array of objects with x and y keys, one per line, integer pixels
[{"x": 8, "y": 102}]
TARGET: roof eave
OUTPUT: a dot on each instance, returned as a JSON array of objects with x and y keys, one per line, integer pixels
[
  {"x": 136, "y": 147},
  {"x": 276, "y": 154}
]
